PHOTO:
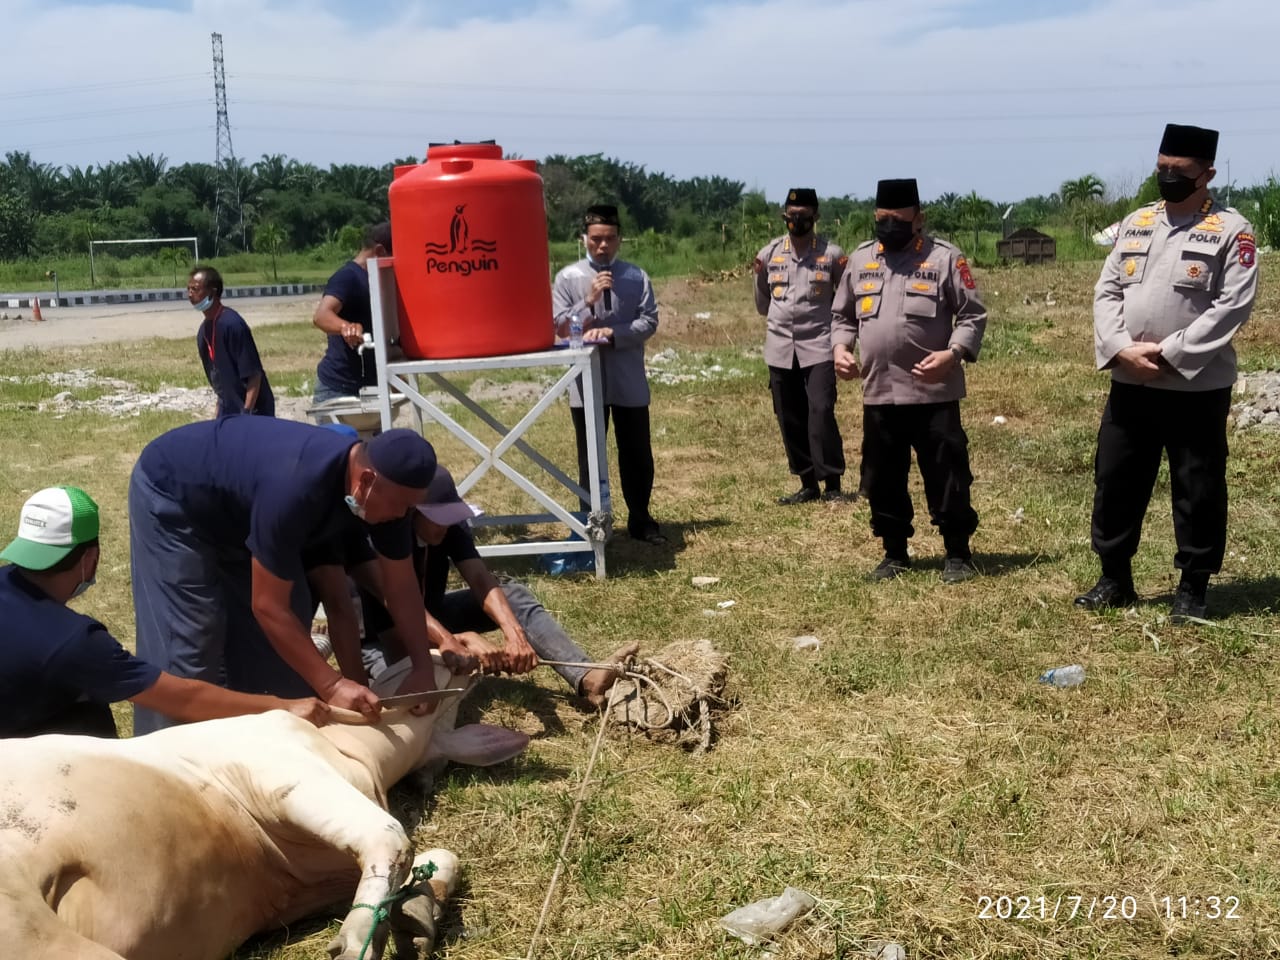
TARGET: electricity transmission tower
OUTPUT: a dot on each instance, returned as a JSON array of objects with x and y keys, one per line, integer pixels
[{"x": 224, "y": 152}]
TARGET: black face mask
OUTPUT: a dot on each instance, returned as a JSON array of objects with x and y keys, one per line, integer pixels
[
  {"x": 895, "y": 234},
  {"x": 1174, "y": 187},
  {"x": 800, "y": 226}
]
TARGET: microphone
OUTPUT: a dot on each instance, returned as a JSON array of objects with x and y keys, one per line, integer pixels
[{"x": 608, "y": 300}]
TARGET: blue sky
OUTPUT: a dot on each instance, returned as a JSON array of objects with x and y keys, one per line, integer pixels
[{"x": 1005, "y": 98}]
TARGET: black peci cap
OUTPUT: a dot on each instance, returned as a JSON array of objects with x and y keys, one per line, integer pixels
[
  {"x": 1185, "y": 141},
  {"x": 896, "y": 194},
  {"x": 802, "y": 197}
]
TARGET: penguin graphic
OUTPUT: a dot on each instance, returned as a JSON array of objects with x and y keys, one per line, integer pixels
[{"x": 458, "y": 231}]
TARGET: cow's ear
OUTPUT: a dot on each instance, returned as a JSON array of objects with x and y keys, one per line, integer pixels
[{"x": 477, "y": 744}]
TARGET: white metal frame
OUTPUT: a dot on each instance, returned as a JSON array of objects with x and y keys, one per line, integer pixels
[{"x": 401, "y": 377}]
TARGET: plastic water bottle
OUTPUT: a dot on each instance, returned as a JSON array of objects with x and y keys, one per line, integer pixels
[
  {"x": 575, "y": 332},
  {"x": 1064, "y": 677}
]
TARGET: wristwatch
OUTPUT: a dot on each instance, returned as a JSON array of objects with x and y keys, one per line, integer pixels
[{"x": 957, "y": 352}]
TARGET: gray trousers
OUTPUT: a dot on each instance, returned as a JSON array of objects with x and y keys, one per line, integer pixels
[
  {"x": 193, "y": 603},
  {"x": 460, "y": 611}
]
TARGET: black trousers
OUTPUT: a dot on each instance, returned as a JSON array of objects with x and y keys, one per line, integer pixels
[
  {"x": 804, "y": 401},
  {"x": 1138, "y": 424},
  {"x": 889, "y": 433},
  {"x": 635, "y": 459}
]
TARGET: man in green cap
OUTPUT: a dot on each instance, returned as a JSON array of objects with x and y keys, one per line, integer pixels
[{"x": 59, "y": 670}]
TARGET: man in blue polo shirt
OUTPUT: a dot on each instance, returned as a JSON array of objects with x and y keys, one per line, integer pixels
[
  {"x": 60, "y": 670},
  {"x": 227, "y": 350},
  {"x": 220, "y": 515},
  {"x": 344, "y": 314}
]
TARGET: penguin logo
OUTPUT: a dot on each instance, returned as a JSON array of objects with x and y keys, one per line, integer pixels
[
  {"x": 461, "y": 243},
  {"x": 459, "y": 232}
]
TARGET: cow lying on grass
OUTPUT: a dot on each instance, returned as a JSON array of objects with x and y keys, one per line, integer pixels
[{"x": 182, "y": 844}]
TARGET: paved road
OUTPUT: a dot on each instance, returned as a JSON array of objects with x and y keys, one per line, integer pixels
[{"x": 105, "y": 323}]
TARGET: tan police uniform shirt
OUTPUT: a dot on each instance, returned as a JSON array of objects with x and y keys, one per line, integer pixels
[
  {"x": 1186, "y": 283},
  {"x": 897, "y": 307},
  {"x": 795, "y": 292}
]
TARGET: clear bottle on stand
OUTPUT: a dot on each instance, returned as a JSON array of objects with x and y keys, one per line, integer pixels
[{"x": 575, "y": 332}]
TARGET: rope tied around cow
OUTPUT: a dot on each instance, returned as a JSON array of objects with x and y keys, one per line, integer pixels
[{"x": 382, "y": 910}]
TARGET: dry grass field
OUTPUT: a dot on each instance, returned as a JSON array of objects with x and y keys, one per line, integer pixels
[{"x": 910, "y": 767}]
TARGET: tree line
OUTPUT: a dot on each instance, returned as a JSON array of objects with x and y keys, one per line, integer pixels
[{"x": 279, "y": 204}]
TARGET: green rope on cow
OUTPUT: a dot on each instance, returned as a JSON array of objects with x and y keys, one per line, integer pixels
[{"x": 382, "y": 911}]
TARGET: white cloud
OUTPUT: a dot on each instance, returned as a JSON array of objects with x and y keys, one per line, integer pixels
[{"x": 765, "y": 93}]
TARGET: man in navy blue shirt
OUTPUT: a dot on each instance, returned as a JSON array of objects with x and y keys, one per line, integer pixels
[
  {"x": 220, "y": 516},
  {"x": 344, "y": 314},
  {"x": 226, "y": 349},
  {"x": 60, "y": 670}
]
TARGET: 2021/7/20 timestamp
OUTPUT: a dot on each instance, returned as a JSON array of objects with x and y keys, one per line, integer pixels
[{"x": 1199, "y": 908}]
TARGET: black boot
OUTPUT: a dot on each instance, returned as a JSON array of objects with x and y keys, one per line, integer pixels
[{"x": 1189, "y": 600}]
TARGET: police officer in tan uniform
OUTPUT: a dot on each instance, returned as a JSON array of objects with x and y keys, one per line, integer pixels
[
  {"x": 909, "y": 303},
  {"x": 1177, "y": 286},
  {"x": 796, "y": 278}
]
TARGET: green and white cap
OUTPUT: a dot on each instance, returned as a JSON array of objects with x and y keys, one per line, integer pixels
[{"x": 53, "y": 522}]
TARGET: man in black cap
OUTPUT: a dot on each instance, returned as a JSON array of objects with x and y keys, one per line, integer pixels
[
  {"x": 441, "y": 527},
  {"x": 1177, "y": 286},
  {"x": 220, "y": 515},
  {"x": 909, "y": 302},
  {"x": 796, "y": 279},
  {"x": 614, "y": 300}
]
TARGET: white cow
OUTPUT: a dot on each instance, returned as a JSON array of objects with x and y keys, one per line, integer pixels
[{"x": 182, "y": 844}]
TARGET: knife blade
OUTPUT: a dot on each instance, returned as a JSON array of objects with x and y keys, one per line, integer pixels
[{"x": 423, "y": 696}]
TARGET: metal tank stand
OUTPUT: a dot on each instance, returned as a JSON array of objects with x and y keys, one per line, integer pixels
[{"x": 400, "y": 377}]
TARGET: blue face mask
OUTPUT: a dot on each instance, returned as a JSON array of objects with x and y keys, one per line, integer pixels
[
  {"x": 357, "y": 508},
  {"x": 204, "y": 304},
  {"x": 84, "y": 584}
]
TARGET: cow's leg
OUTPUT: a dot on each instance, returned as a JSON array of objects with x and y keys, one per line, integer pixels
[
  {"x": 414, "y": 920},
  {"x": 29, "y": 929},
  {"x": 335, "y": 812}
]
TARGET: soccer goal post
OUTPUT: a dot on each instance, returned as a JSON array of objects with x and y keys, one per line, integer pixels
[{"x": 93, "y": 276}]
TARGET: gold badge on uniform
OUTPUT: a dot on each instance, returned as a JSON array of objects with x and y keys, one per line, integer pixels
[
  {"x": 867, "y": 304},
  {"x": 1194, "y": 270},
  {"x": 779, "y": 290},
  {"x": 873, "y": 265},
  {"x": 778, "y": 260},
  {"x": 924, "y": 265},
  {"x": 868, "y": 286},
  {"x": 1130, "y": 268},
  {"x": 922, "y": 287}
]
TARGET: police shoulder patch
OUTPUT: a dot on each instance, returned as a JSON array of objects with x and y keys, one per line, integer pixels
[
  {"x": 1248, "y": 249},
  {"x": 843, "y": 261},
  {"x": 966, "y": 275}
]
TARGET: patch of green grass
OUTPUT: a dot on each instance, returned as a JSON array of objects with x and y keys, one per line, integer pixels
[{"x": 905, "y": 769}]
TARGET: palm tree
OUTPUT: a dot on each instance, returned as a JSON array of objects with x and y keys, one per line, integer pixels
[
  {"x": 273, "y": 171},
  {"x": 1081, "y": 197},
  {"x": 174, "y": 256},
  {"x": 146, "y": 171},
  {"x": 974, "y": 211},
  {"x": 115, "y": 187},
  {"x": 269, "y": 238}
]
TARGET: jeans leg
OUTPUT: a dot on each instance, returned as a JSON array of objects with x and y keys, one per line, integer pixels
[{"x": 545, "y": 635}]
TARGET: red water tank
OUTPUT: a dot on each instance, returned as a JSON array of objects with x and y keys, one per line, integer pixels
[{"x": 469, "y": 232}]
